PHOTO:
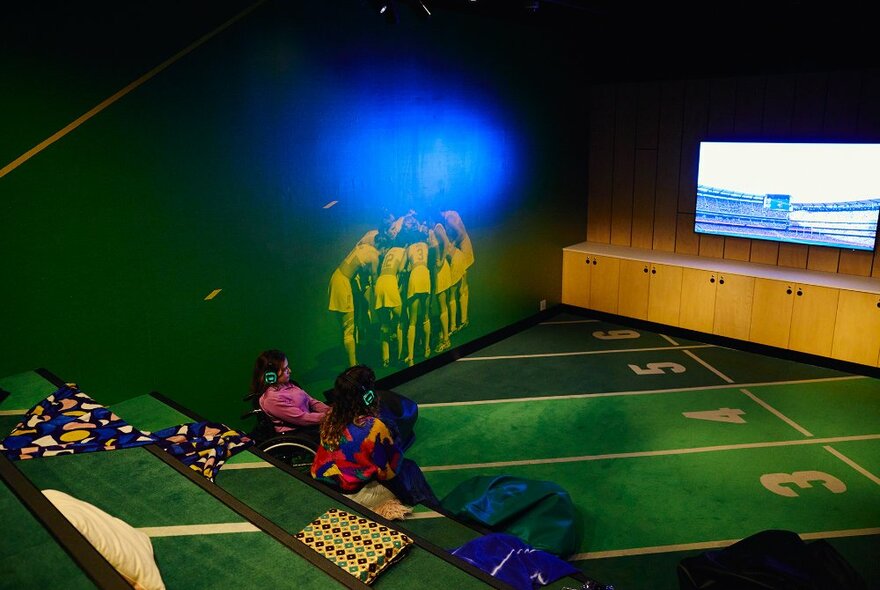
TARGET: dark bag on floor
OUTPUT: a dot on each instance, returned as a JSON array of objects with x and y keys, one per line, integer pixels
[{"x": 774, "y": 559}]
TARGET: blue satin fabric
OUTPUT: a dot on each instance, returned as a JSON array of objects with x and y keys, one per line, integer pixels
[{"x": 507, "y": 558}]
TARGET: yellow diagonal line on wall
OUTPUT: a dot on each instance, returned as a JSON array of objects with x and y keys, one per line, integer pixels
[{"x": 107, "y": 102}]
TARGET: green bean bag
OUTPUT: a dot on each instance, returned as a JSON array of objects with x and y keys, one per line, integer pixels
[{"x": 540, "y": 513}]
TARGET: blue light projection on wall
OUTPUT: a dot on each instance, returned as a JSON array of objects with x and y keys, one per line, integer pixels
[{"x": 407, "y": 151}]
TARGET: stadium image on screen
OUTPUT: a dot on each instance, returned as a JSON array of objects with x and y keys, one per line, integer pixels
[{"x": 823, "y": 194}]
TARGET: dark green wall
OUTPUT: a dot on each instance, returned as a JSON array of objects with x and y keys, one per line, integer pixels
[{"x": 213, "y": 174}]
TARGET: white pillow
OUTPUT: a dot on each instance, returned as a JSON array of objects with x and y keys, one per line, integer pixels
[{"x": 127, "y": 549}]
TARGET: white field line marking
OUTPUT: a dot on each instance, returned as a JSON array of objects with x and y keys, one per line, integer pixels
[
  {"x": 213, "y": 294},
  {"x": 714, "y": 544},
  {"x": 250, "y": 465},
  {"x": 567, "y": 322},
  {"x": 638, "y": 454},
  {"x": 330, "y": 204},
  {"x": 12, "y": 412},
  {"x": 109, "y": 101},
  {"x": 708, "y": 366},
  {"x": 777, "y": 413},
  {"x": 853, "y": 464},
  {"x": 670, "y": 340},
  {"x": 579, "y": 353},
  {"x": 426, "y": 514},
  {"x": 516, "y": 400},
  {"x": 199, "y": 529}
]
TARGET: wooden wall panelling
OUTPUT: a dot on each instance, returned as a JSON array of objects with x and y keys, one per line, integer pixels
[
  {"x": 764, "y": 252},
  {"x": 624, "y": 162},
  {"x": 778, "y": 107},
  {"x": 809, "y": 106},
  {"x": 749, "y": 112},
  {"x": 856, "y": 262},
  {"x": 711, "y": 246},
  {"x": 647, "y": 115},
  {"x": 720, "y": 126},
  {"x": 792, "y": 255},
  {"x": 822, "y": 258},
  {"x": 601, "y": 163},
  {"x": 686, "y": 241},
  {"x": 737, "y": 249},
  {"x": 668, "y": 160},
  {"x": 696, "y": 112},
  {"x": 842, "y": 106},
  {"x": 645, "y": 174},
  {"x": 722, "y": 109},
  {"x": 643, "y": 199}
]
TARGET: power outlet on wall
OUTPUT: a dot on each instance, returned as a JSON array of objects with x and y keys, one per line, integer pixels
[{"x": 542, "y": 305}]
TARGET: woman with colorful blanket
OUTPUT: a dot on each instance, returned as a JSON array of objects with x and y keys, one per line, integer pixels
[{"x": 359, "y": 454}]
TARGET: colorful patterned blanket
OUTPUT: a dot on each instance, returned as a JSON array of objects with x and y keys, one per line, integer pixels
[{"x": 69, "y": 422}]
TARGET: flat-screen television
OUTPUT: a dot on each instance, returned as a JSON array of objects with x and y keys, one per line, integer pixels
[{"x": 823, "y": 194}]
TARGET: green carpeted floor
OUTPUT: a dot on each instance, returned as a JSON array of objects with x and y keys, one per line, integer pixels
[
  {"x": 662, "y": 442},
  {"x": 667, "y": 446}
]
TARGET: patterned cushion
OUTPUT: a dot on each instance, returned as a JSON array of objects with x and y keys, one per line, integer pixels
[{"x": 359, "y": 546}]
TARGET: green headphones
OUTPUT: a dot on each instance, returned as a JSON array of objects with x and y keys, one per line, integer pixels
[
  {"x": 270, "y": 376},
  {"x": 368, "y": 396}
]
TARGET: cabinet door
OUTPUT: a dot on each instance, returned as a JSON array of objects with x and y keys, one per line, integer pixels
[
  {"x": 812, "y": 319},
  {"x": 604, "y": 281},
  {"x": 857, "y": 328},
  {"x": 771, "y": 312},
  {"x": 575, "y": 278},
  {"x": 664, "y": 300},
  {"x": 697, "y": 299},
  {"x": 632, "y": 298},
  {"x": 733, "y": 305}
]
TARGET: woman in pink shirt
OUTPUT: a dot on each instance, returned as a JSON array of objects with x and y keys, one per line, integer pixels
[{"x": 287, "y": 405}]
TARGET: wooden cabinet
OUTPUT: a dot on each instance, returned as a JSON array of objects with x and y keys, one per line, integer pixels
[
  {"x": 857, "y": 328},
  {"x": 697, "y": 299},
  {"x": 733, "y": 305},
  {"x": 575, "y": 278},
  {"x": 664, "y": 299},
  {"x": 813, "y": 316},
  {"x": 795, "y": 316},
  {"x": 837, "y": 316},
  {"x": 771, "y": 312},
  {"x": 604, "y": 282},
  {"x": 632, "y": 297}
]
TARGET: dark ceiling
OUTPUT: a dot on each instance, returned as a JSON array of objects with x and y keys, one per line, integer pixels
[{"x": 707, "y": 38}]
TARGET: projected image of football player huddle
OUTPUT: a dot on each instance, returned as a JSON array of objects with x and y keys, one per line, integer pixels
[{"x": 404, "y": 288}]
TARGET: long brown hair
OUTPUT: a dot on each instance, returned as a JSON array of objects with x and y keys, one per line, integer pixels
[
  {"x": 269, "y": 360},
  {"x": 348, "y": 406}
]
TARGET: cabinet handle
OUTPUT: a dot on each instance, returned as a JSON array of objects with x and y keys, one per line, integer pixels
[
  {"x": 878, "y": 304},
  {"x": 653, "y": 271},
  {"x": 646, "y": 269},
  {"x": 712, "y": 280},
  {"x": 799, "y": 292},
  {"x": 594, "y": 261},
  {"x": 788, "y": 291},
  {"x": 721, "y": 281}
]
